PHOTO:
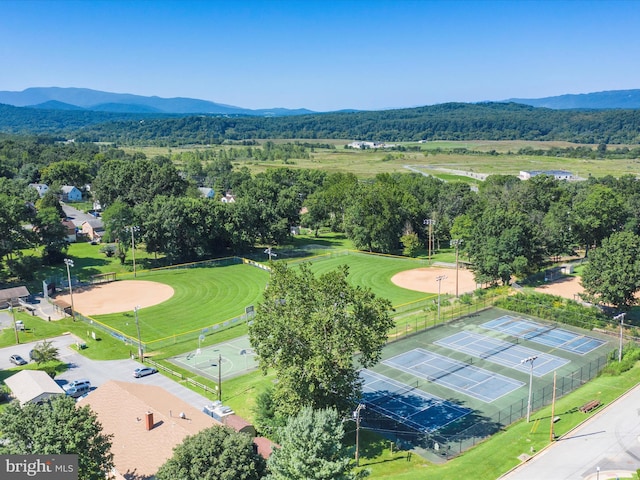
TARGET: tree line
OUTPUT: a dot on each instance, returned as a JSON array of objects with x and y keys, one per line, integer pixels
[{"x": 449, "y": 121}]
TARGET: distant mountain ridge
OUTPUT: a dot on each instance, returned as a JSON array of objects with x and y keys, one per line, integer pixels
[
  {"x": 611, "y": 99},
  {"x": 58, "y": 98}
]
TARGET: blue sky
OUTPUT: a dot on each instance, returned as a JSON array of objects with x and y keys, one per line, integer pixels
[{"x": 322, "y": 55}]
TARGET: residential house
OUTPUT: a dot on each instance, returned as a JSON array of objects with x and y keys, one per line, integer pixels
[
  {"x": 71, "y": 231},
  {"x": 93, "y": 229},
  {"x": 207, "y": 192},
  {"x": 33, "y": 386},
  {"x": 40, "y": 187},
  {"x": 147, "y": 423},
  {"x": 71, "y": 194}
]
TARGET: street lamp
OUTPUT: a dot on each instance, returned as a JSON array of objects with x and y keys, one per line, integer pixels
[
  {"x": 135, "y": 312},
  {"x": 15, "y": 325},
  {"x": 133, "y": 229},
  {"x": 69, "y": 263},
  {"x": 356, "y": 414},
  {"x": 439, "y": 279},
  {"x": 430, "y": 222},
  {"x": 620, "y": 318},
  {"x": 530, "y": 361},
  {"x": 597, "y": 473},
  {"x": 455, "y": 242}
]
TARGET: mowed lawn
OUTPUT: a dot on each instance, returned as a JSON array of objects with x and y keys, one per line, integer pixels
[
  {"x": 374, "y": 272},
  {"x": 208, "y": 296},
  {"x": 203, "y": 297}
]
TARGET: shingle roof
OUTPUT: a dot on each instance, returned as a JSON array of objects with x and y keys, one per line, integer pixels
[
  {"x": 121, "y": 407},
  {"x": 33, "y": 385}
]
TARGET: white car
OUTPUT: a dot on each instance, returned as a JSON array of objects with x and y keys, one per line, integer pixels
[{"x": 144, "y": 371}]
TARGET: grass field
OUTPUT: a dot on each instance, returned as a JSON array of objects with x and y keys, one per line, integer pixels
[
  {"x": 373, "y": 272},
  {"x": 368, "y": 163},
  {"x": 203, "y": 297}
]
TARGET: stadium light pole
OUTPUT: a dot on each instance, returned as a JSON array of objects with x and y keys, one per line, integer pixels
[
  {"x": 620, "y": 318},
  {"x": 135, "y": 312},
  {"x": 455, "y": 242},
  {"x": 15, "y": 325},
  {"x": 530, "y": 361},
  {"x": 439, "y": 279},
  {"x": 356, "y": 414},
  {"x": 69, "y": 263},
  {"x": 133, "y": 229},
  {"x": 429, "y": 222}
]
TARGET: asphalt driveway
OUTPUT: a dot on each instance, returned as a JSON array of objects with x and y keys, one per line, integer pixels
[{"x": 101, "y": 371}]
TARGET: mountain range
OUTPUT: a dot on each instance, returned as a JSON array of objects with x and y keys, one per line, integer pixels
[
  {"x": 57, "y": 98},
  {"x": 84, "y": 99}
]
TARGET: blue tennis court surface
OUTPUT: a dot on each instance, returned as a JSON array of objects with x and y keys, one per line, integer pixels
[
  {"x": 459, "y": 376},
  {"x": 544, "y": 334},
  {"x": 406, "y": 404},
  {"x": 503, "y": 353}
]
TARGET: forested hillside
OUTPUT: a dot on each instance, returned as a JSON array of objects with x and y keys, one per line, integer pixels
[{"x": 451, "y": 121}]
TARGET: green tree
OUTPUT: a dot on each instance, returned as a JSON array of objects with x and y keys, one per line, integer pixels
[
  {"x": 51, "y": 235},
  {"x": 44, "y": 352},
  {"x": 311, "y": 448},
  {"x": 58, "y": 427},
  {"x": 411, "y": 243},
  {"x": 612, "y": 275},
  {"x": 309, "y": 328},
  {"x": 214, "y": 453},
  {"x": 597, "y": 212},
  {"x": 67, "y": 172}
]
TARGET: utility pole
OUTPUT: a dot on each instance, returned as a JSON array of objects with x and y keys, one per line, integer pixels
[
  {"x": 220, "y": 377},
  {"x": 133, "y": 229},
  {"x": 530, "y": 361},
  {"x": 140, "y": 355},
  {"x": 15, "y": 325},
  {"x": 356, "y": 414},
  {"x": 456, "y": 243},
  {"x": 69, "y": 263},
  {"x": 439, "y": 279},
  {"x": 620, "y": 318},
  {"x": 429, "y": 222}
]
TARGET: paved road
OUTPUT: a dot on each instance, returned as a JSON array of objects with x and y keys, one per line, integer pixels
[
  {"x": 609, "y": 441},
  {"x": 99, "y": 372}
]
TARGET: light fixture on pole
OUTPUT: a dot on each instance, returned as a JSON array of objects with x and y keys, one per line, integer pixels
[
  {"x": 133, "y": 229},
  {"x": 597, "y": 473},
  {"x": 69, "y": 263},
  {"x": 430, "y": 222},
  {"x": 620, "y": 318},
  {"x": 455, "y": 242},
  {"x": 356, "y": 415},
  {"x": 15, "y": 325},
  {"x": 530, "y": 361},
  {"x": 135, "y": 312},
  {"x": 439, "y": 279}
]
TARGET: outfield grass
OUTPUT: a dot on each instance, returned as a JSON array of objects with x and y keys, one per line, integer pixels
[
  {"x": 373, "y": 272},
  {"x": 203, "y": 297}
]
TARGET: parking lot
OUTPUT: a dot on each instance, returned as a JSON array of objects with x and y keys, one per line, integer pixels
[{"x": 100, "y": 371}]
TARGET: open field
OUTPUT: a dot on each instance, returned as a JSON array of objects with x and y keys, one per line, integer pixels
[{"x": 368, "y": 163}]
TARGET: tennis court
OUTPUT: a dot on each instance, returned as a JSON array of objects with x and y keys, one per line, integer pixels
[
  {"x": 547, "y": 335},
  {"x": 228, "y": 359},
  {"x": 409, "y": 405},
  {"x": 459, "y": 376},
  {"x": 501, "y": 352},
  {"x": 459, "y": 382}
]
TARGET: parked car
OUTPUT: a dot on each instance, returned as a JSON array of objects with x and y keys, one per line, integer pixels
[
  {"x": 144, "y": 371},
  {"x": 78, "y": 388},
  {"x": 17, "y": 360}
]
